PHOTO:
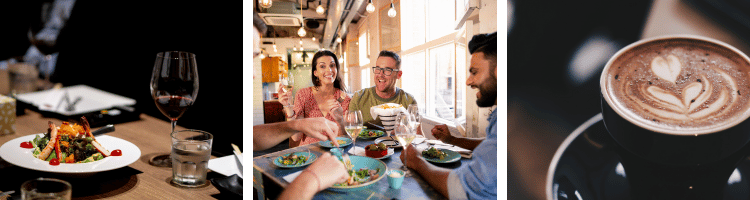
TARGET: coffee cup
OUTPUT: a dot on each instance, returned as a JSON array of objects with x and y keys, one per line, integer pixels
[{"x": 677, "y": 106}]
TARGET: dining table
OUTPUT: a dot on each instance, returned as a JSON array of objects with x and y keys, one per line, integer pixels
[
  {"x": 139, "y": 180},
  {"x": 268, "y": 179}
]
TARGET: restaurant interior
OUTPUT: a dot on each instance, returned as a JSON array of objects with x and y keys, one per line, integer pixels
[{"x": 430, "y": 37}]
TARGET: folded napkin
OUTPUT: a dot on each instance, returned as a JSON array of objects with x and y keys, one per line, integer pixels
[{"x": 226, "y": 165}]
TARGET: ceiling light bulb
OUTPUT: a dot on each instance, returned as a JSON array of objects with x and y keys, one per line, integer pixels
[
  {"x": 338, "y": 39},
  {"x": 320, "y": 10},
  {"x": 295, "y": 48},
  {"x": 370, "y": 8},
  {"x": 266, "y": 3},
  {"x": 392, "y": 11},
  {"x": 302, "y": 32},
  {"x": 313, "y": 39},
  {"x": 300, "y": 41}
]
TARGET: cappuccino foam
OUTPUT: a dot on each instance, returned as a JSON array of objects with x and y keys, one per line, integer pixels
[{"x": 681, "y": 84}]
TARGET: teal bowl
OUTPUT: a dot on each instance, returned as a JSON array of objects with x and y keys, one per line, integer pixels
[{"x": 360, "y": 162}]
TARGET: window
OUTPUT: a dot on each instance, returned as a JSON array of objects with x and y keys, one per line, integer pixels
[
  {"x": 413, "y": 65},
  {"x": 434, "y": 56},
  {"x": 364, "y": 48}
]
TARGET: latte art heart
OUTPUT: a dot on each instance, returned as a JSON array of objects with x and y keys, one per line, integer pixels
[{"x": 682, "y": 85}]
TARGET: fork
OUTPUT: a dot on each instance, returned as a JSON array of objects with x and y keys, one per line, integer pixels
[{"x": 344, "y": 155}]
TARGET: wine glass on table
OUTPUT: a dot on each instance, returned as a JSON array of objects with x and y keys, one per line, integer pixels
[
  {"x": 415, "y": 118},
  {"x": 174, "y": 87},
  {"x": 353, "y": 124},
  {"x": 404, "y": 135}
]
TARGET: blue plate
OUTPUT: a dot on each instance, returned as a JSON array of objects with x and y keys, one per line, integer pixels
[
  {"x": 310, "y": 158},
  {"x": 359, "y": 162},
  {"x": 452, "y": 156},
  {"x": 328, "y": 143},
  {"x": 365, "y": 131}
]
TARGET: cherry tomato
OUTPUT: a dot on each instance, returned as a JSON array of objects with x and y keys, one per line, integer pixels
[
  {"x": 116, "y": 152},
  {"x": 27, "y": 145},
  {"x": 54, "y": 162}
]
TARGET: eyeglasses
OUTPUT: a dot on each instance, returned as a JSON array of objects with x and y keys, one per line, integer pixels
[{"x": 387, "y": 71}]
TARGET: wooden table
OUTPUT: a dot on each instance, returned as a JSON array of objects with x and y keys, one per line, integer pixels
[
  {"x": 138, "y": 180},
  {"x": 413, "y": 187}
]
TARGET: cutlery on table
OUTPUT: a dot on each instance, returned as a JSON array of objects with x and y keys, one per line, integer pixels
[
  {"x": 106, "y": 129},
  {"x": 238, "y": 157}
]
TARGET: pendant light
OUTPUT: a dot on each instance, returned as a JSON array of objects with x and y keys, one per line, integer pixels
[
  {"x": 370, "y": 8},
  {"x": 392, "y": 11}
]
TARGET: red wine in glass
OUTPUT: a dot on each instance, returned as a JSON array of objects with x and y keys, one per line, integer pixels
[
  {"x": 173, "y": 106},
  {"x": 174, "y": 87}
]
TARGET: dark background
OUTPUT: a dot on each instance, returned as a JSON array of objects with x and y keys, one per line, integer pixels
[
  {"x": 112, "y": 46},
  {"x": 544, "y": 104}
]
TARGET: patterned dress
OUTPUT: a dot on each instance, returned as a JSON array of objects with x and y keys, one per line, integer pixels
[{"x": 306, "y": 106}]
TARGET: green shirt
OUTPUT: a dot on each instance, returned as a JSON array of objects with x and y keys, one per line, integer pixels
[{"x": 366, "y": 98}]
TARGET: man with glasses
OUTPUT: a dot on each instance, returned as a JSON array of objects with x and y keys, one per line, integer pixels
[{"x": 387, "y": 71}]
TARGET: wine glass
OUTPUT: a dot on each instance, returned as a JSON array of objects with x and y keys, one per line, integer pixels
[
  {"x": 174, "y": 87},
  {"x": 415, "y": 118},
  {"x": 404, "y": 135},
  {"x": 288, "y": 84},
  {"x": 353, "y": 124},
  {"x": 43, "y": 30}
]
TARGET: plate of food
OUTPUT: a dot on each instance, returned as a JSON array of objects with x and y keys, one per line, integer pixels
[
  {"x": 370, "y": 134},
  {"x": 69, "y": 149},
  {"x": 435, "y": 155},
  {"x": 365, "y": 172},
  {"x": 343, "y": 141},
  {"x": 377, "y": 151},
  {"x": 296, "y": 159}
]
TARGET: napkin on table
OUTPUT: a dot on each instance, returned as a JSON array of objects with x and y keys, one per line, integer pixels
[{"x": 226, "y": 165}]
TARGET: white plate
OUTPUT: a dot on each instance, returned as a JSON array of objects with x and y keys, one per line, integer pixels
[{"x": 12, "y": 152}]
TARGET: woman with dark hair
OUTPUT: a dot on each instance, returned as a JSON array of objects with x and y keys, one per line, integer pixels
[{"x": 327, "y": 98}]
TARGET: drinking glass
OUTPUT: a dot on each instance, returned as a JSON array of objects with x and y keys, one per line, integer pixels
[
  {"x": 353, "y": 124},
  {"x": 415, "y": 118},
  {"x": 174, "y": 87},
  {"x": 191, "y": 150},
  {"x": 43, "y": 30},
  {"x": 46, "y": 188},
  {"x": 288, "y": 84},
  {"x": 404, "y": 135}
]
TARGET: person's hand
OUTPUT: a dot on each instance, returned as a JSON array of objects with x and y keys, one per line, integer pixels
[
  {"x": 442, "y": 133},
  {"x": 334, "y": 108},
  {"x": 318, "y": 127},
  {"x": 329, "y": 170},
  {"x": 411, "y": 156},
  {"x": 284, "y": 96}
]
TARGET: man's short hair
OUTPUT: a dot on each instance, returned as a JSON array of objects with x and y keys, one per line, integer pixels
[
  {"x": 487, "y": 44},
  {"x": 259, "y": 24},
  {"x": 393, "y": 55}
]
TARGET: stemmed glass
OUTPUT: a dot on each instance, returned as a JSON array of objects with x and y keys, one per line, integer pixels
[
  {"x": 405, "y": 135},
  {"x": 353, "y": 124},
  {"x": 415, "y": 118},
  {"x": 174, "y": 87},
  {"x": 288, "y": 84},
  {"x": 42, "y": 33}
]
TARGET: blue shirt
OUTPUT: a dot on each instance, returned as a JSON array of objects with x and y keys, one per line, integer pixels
[{"x": 478, "y": 179}]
